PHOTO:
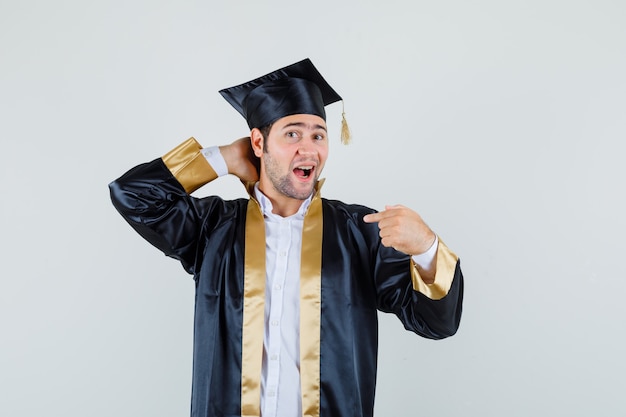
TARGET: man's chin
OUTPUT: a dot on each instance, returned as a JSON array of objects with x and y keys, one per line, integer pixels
[{"x": 302, "y": 193}]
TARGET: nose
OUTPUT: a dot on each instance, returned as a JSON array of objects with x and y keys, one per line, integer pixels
[{"x": 306, "y": 148}]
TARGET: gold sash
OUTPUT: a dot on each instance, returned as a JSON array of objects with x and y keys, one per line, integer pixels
[{"x": 254, "y": 308}]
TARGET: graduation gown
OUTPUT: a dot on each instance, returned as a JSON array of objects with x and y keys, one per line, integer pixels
[{"x": 346, "y": 277}]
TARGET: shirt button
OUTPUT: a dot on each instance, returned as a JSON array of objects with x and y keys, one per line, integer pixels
[
  {"x": 283, "y": 253},
  {"x": 277, "y": 287},
  {"x": 274, "y": 322},
  {"x": 274, "y": 357}
]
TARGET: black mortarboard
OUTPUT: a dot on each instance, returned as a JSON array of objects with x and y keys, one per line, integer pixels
[{"x": 296, "y": 89}]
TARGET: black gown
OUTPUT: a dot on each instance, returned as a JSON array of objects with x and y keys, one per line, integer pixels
[{"x": 347, "y": 276}]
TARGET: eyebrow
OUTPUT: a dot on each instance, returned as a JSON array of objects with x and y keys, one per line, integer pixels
[{"x": 301, "y": 124}]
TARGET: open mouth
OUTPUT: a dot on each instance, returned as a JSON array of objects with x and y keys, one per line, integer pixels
[{"x": 304, "y": 171}]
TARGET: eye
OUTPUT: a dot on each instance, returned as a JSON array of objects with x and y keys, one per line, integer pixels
[
  {"x": 319, "y": 137},
  {"x": 292, "y": 136}
]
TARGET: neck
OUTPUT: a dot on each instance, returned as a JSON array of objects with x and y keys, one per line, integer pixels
[{"x": 282, "y": 205}]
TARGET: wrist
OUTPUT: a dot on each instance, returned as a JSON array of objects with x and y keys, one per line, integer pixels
[{"x": 215, "y": 158}]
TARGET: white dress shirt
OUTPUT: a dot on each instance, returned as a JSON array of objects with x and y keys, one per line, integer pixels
[{"x": 280, "y": 377}]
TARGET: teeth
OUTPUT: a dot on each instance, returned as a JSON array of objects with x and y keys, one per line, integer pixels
[{"x": 305, "y": 167}]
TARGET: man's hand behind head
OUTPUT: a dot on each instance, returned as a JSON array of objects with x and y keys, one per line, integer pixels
[{"x": 240, "y": 160}]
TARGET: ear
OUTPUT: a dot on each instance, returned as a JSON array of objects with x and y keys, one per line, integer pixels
[{"x": 256, "y": 139}]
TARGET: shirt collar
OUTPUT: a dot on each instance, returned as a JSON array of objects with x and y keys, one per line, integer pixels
[{"x": 266, "y": 205}]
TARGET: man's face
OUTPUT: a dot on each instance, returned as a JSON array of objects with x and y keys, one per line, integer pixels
[{"x": 293, "y": 156}]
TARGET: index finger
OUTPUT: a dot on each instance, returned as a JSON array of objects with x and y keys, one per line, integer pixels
[{"x": 374, "y": 217}]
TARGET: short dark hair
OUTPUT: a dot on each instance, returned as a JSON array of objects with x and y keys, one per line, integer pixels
[{"x": 265, "y": 132}]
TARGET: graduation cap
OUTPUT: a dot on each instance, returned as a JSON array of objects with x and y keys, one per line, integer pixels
[{"x": 296, "y": 89}]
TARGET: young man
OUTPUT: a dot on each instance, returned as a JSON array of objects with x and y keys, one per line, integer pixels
[{"x": 288, "y": 284}]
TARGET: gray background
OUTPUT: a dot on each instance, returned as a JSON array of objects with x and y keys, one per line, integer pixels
[{"x": 500, "y": 122}]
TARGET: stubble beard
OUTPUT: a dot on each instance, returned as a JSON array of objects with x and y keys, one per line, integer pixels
[{"x": 283, "y": 184}]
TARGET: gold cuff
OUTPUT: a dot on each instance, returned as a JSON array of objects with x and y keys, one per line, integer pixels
[
  {"x": 189, "y": 166},
  {"x": 444, "y": 274}
]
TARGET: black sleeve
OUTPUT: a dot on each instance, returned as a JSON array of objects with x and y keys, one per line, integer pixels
[{"x": 157, "y": 206}]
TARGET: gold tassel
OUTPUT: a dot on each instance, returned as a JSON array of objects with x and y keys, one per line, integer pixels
[{"x": 345, "y": 130}]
